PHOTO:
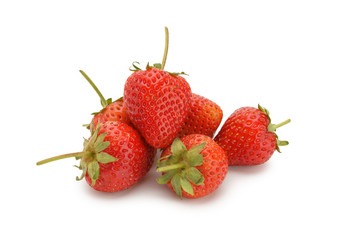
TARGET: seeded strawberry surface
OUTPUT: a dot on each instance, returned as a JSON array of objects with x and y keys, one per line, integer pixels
[
  {"x": 245, "y": 137},
  {"x": 157, "y": 103},
  {"x": 115, "y": 111},
  {"x": 135, "y": 158},
  {"x": 204, "y": 117}
]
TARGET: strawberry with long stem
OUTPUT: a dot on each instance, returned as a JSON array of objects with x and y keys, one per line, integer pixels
[
  {"x": 157, "y": 101},
  {"x": 111, "y": 111},
  {"x": 114, "y": 158}
]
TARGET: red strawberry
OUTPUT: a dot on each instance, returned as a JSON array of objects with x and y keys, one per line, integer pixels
[
  {"x": 157, "y": 102},
  {"x": 112, "y": 111},
  {"x": 114, "y": 158},
  {"x": 115, "y": 111},
  {"x": 248, "y": 136},
  {"x": 193, "y": 166},
  {"x": 204, "y": 117}
]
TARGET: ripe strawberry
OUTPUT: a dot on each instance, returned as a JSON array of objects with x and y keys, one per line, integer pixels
[
  {"x": 112, "y": 111},
  {"x": 157, "y": 102},
  {"x": 204, "y": 117},
  {"x": 115, "y": 111},
  {"x": 248, "y": 136},
  {"x": 193, "y": 166},
  {"x": 114, "y": 158}
]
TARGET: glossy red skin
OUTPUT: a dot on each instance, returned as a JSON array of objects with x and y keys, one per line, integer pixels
[
  {"x": 115, "y": 111},
  {"x": 204, "y": 117},
  {"x": 245, "y": 138},
  {"x": 135, "y": 158},
  {"x": 214, "y": 167},
  {"x": 157, "y": 104}
]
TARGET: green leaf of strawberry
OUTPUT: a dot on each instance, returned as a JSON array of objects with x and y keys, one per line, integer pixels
[
  {"x": 194, "y": 176},
  {"x": 195, "y": 150},
  {"x": 179, "y": 167},
  {"x": 177, "y": 147},
  {"x": 93, "y": 171},
  {"x": 186, "y": 185},
  {"x": 196, "y": 160},
  {"x": 167, "y": 176},
  {"x": 175, "y": 182},
  {"x": 105, "y": 158},
  {"x": 136, "y": 68},
  {"x": 193, "y": 166}
]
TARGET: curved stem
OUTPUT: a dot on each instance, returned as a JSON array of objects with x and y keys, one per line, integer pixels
[
  {"x": 166, "y": 48},
  {"x": 102, "y": 99},
  {"x": 69, "y": 155}
]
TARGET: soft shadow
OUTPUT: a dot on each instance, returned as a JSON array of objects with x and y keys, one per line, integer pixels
[{"x": 208, "y": 199}]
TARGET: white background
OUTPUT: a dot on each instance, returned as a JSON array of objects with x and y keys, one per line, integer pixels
[{"x": 299, "y": 59}]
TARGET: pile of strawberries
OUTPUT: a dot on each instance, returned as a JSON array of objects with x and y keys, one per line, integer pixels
[{"x": 160, "y": 113}]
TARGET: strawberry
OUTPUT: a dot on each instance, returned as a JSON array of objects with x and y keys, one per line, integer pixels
[
  {"x": 204, "y": 117},
  {"x": 248, "y": 136},
  {"x": 193, "y": 166},
  {"x": 114, "y": 158},
  {"x": 157, "y": 102},
  {"x": 115, "y": 111},
  {"x": 111, "y": 111}
]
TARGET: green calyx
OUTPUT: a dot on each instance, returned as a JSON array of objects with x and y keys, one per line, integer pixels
[
  {"x": 180, "y": 167},
  {"x": 158, "y": 65},
  {"x": 136, "y": 68},
  {"x": 90, "y": 157},
  {"x": 272, "y": 128}
]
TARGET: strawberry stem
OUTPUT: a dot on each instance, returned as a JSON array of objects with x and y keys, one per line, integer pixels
[
  {"x": 166, "y": 48},
  {"x": 282, "y": 143},
  {"x": 171, "y": 167},
  {"x": 282, "y": 124},
  {"x": 273, "y": 127},
  {"x": 102, "y": 99},
  {"x": 69, "y": 155}
]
